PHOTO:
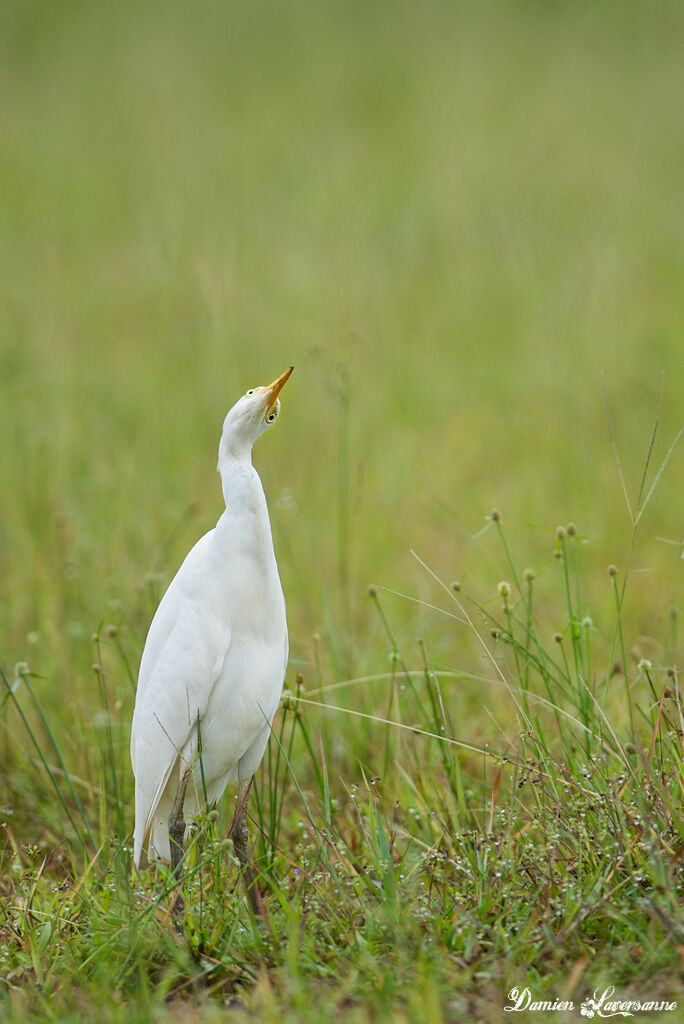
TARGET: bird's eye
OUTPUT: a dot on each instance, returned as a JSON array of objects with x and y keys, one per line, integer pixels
[
  {"x": 271, "y": 416},
  {"x": 250, "y": 392}
]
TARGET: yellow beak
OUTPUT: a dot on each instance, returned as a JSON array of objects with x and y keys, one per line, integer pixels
[{"x": 274, "y": 389}]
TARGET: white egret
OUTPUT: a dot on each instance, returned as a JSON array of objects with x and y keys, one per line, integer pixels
[{"x": 214, "y": 661}]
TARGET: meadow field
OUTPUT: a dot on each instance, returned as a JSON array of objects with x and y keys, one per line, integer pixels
[{"x": 463, "y": 225}]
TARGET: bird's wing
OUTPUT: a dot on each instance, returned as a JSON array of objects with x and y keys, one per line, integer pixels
[
  {"x": 184, "y": 654},
  {"x": 174, "y": 701}
]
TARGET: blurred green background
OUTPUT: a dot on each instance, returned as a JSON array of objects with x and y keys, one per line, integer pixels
[{"x": 450, "y": 217}]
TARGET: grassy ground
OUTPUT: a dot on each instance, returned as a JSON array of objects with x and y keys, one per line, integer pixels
[{"x": 450, "y": 218}]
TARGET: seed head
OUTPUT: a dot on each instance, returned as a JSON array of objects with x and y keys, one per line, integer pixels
[
  {"x": 612, "y": 570},
  {"x": 504, "y": 588},
  {"x": 495, "y": 515},
  {"x": 456, "y": 585},
  {"x": 571, "y": 530},
  {"x": 111, "y": 631},
  {"x": 645, "y": 665},
  {"x": 667, "y": 692},
  {"x": 588, "y": 622},
  {"x": 213, "y": 814},
  {"x": 560, "y": 532},
  {"x": 372, "y": 591},
  {"x": 528, "y": 575},
  {"x": 558, "y": 637}
]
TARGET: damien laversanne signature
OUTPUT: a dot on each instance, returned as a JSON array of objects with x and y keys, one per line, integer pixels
[{"x": 601, "y": 1004}]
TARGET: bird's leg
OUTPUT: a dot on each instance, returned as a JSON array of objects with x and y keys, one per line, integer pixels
[
  {"x": 238, "y": 833},
  {"x": 176, "y": 826}
]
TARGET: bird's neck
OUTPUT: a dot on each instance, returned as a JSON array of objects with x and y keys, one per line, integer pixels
[
  {"x": 246, "y": 513},
  {"x": 239, "y": 479}
]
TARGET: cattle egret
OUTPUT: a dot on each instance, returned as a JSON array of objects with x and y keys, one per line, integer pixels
[{"x": 213, "y": 666}]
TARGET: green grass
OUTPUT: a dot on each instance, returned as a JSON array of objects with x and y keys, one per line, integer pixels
[{"x": 450, "y": 218}]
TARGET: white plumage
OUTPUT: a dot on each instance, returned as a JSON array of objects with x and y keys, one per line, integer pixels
[{"x": 216, "y": 652}]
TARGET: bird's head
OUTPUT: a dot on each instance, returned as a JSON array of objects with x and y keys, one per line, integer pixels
[{"x": 252, "y": 414}]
